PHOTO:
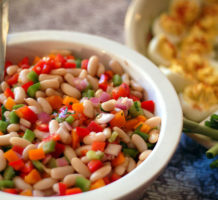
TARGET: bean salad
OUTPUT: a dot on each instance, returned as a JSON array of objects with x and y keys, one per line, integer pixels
[{"x": 70, "y": 125}]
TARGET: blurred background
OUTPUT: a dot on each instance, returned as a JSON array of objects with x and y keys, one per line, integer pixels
[{"x": 188, "y": 175}]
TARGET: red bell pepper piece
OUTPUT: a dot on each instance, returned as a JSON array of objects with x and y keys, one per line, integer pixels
[
  {"x": 18, "y": 149},
  {"x": 93, "y": 165},
  {"x": 10, "y": 190},
  {"x": 27, "y": 85},
  {"x": 59, "y": 61},
  {"x": 109, "y": 74},
  {"x": 121, "y": 91},
  {"x": 13, "y": 79},
  {"x": 133, "y": 97},
  {"x": 25, "y": 61},
  {"x": 8, "y": 63},
  {"x": 27, "y": 168},
  {"x": 46, "y": 69},
  {"x": 82, "y": 132},
  {"x": 148, "y": 105},
  {"x": 17, "y": 165},
  {"x": 103, "y": 82},
  {"x": 98, "y": 146},
  {"x": 114, "y": 177},
  {"x": 84, "y": 64},
  {"x": 62, "y": 188},
  {"x": 43, "y": 127},
  {"x": 59, "y": 149},
  {"x": 93, "y": 126},
  {"x": 26, "y": 113},
  {"x": 9, "y": 93},
  {"x": 53, "y": 136},
  {"x": 69, "y": 65},
  {"x": 106, "y": 180}
]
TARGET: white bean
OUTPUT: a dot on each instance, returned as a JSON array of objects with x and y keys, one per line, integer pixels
[
  {"x": 74, "y": 72},
  {"x": 80, "y": 167},
  {"x": 123, "y": 136},
  {"x": 70, "y": 179},
  {"x": 93, "y": 81},
  {"x": 4, "y": 86},
  {"x": 100, "y": 173},
  {"x": 12, "y": 69},
  {"x": 21, "y": 184},
  {"x": 44, "y": 184},
  {"x": 46, "y": 107},
  {"x": 13, "y": 127},
  {"x": 109, "y": 105},
  {"x": 89, "y": 139},
  {"x": 131, "y": 165},
  {"x": 70, "y": 90},
  {"x": 69, "y": 78},
  {"x": 144, "y": 155},
  {"x": 19, "y": 95},
  {"x": 125, "y": 78},
  {"x": 40, "y": 94},
  {"x": 53, "y": 126},
  {"x": 33, "y": 102},
  {"x": 120, "y": 169},
  {"x": 3, "y": 162},
  {"x": 88, "y": 109},
  {"x": 104, "y": 118},
  {"x": 153, "y": 136},
  {"x": 50, "y": 83},
  {"x": 83, "y": 74},
  {"x": 139, "y": 143},
  {"x": 61, "y": 172},
  {"x": 51, "y": 92},
  {"x": 107, "y": 132},
  {"x": 69, "y": 152},
  {"x": 116, "y": 67},
  {"x": 17, "y": 141},
  {"x": 34, "y": 109},
  {"x": 23, "y": 76},
  {"x": 25, "y": 122},
  {"x": 40, "y": 134},
  {"x": 82, "y": 148},
  {"x": 101, "y": 69},
  {"x": 43, "y": 77},
  {"x": 2, "y": 98},
  {"x": 60, "y": 72},
  {"x": 5, "y": 139},
  {"x": 93, "y": 65},
  {"x": 64, "y": 135},
  {"x": 153, "y": 122},
  {"x": 38, "y": 193},
  {"x": 136, "y": 86}
]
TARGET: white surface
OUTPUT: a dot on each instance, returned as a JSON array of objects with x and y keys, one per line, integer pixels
[{"x": 167, "y": 103}]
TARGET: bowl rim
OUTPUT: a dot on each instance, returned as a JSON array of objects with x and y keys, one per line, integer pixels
[{"x": 163, "y": 153}]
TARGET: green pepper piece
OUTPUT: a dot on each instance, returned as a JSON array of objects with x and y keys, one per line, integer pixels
[
  {"x": 70, "y": 119},
  {"x": 78, "y": 63},
  {"x": 83, "y": 183},
  {"x": 136, "y": 110},
  {"x": 88, "y": 93},
  {"x": 52, "y": 163},
  {"x": 33, "y": 89},
  {"x": 3, "y": 109},
  {"x": 49, "y": 146},
  {"x": 17, "y": 106},
  {"x": 141, "y": 134},
  {"x": 3, "y": 126},
  {"x": 113, "y": 136},
  {"x": 38, "y": 165},
  {"x": 6, "y": 184},
  {"x": 29, "y": 135},
  {"x": 94, "y": 155},
  {"x": 131, "y": 152},
  {"x": 117, "y": 80},
  {"x": 13, "y": 118},
  {"x": 9, "y": 173},
  {"x": 33, "y": 76}
]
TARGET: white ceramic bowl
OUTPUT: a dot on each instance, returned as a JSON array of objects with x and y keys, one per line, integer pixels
[{"x": 158, "y": 87}]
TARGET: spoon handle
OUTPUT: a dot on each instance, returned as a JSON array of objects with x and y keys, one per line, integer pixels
[{"x": 4, "y": 24}]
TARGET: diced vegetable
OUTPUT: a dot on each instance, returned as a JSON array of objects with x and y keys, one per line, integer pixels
[
  {"x": 31, "y": 91},
  {"x": 98, "y": 146},
  {"x": 88, "y": 93},
  {"x": 131, "y": 152},
  {"x": 11, "y": 156},
  {"x": 136, "y": 110},
  {"x": 38, "y": 165},
  {"x": 93, "y": 126},
  {"x": 82, "y": 132},
  {"x": 33, "y": 177},
  {"x": 18, "y": 106},
  {"x": 83, "y": 183},
  {"x": 117, "y": 80},
  {"x": 6, "y": 184},
  {"x": 13, "y": 118},
  {"x": 94, "y": 165},
  {"x": 148, "y": 105},
  {"x": 9, "y": 93},
  {"x": 49, "y": 146},
  {"x": 118, "y": 120},
  {"x": 26, "y": 113},
  {"x": 3, "y": 109},
  {"x": 33, "y": 76},
  {"x": 3, "y": 126},
  {"x": 29, "y": 135},
  {"x": 113, "y": 136},
  {"x": 70, "y": 119},
  {"x": 94, "y": 155},
  {"x": 75, "y": 190},
  {"x": 97, "y": 184},
  {"x": 9, "y": 173},
  {"x": 9, "y": 103},
  {"x": 17, "y": 165},
  {"x": 55, "y": 101},
  {"x": 118, "y": 160},
  {"x": 36, "y": 154}
]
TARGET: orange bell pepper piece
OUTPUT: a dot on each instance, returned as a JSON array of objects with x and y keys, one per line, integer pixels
[
  {"x": 75, "y": 139},
  {"x": 9, "y": 103},
  {"x": 120, "y": 159},
  {"x": 144, "y": 127},
  {"x": 141, "y": 118},
  {"x": 97, "y": 184},
  {"x": 55, "y": 101},
  {"x": 130, "y": 124},
  {"x": 36, "y": 154},
  {"x": 11, "y": 156},
  {"x": 33, "y": 177},
  {"x": 69, "y": 100},
  {"x": 118, "y": 120},
  {"x": 78, "y": 107},
  {"x": 26, "y": 192}
]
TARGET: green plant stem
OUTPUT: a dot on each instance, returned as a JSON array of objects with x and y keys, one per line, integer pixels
[
  {"x": 212, "y": 152},
  {"x": 194, "y": 127}
]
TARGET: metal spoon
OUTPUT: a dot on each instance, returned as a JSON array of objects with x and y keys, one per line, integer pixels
[{"x": 4, "y": 24}]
